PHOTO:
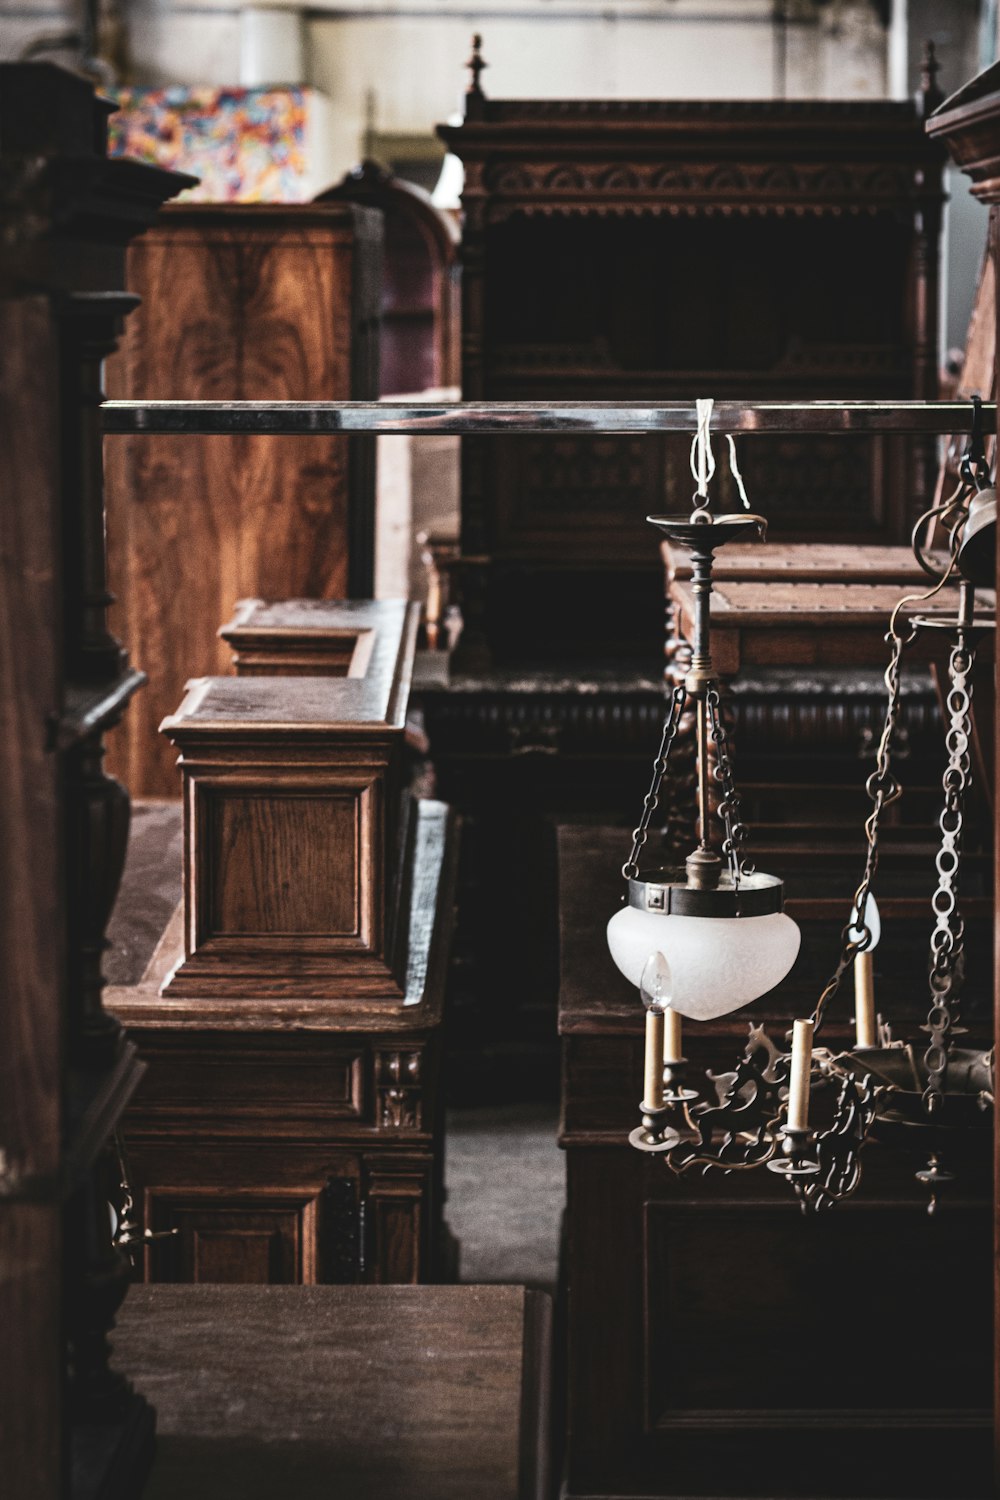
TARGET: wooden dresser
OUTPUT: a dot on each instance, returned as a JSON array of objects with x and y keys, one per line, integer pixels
[{"x": 239, "y": 302}]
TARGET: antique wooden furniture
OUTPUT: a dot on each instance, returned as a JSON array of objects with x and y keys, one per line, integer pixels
[
  {"x": 70, "y": 1425},
  {"x": 681, "y": 1294},
  {"x": 290, "y": 1128},
  {"x": 314, "y": 637},
  {"x": 969, "y": 124},
  {"x": 649, "y": 250},
  {"x": 241, "y": 302},
  {"x": 420, "y": 281},
  {"x": 292, "y": 789},
  {"x": 294, "y": 1141},
  {"x": 438, "y": 1393},
  {"x": 645, "y": 249},
  {"x": 771, "y": 623}
]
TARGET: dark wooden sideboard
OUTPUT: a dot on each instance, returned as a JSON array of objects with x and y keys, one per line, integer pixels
[{"x": 718, "y": 1342}]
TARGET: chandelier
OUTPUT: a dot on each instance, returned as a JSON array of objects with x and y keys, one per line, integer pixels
[{"x": 706, "y": 940}]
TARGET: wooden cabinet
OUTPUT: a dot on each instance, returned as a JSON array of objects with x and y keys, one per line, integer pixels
[
  {"x": 646, "y": 250},
  {"x": 420, "y": 281},
  {"x": 290, "y": 1126},
  {"x": 294, "y": 1141},
  {"x": 719, "y": 1342},
  {"x": 239, "y": 302}
]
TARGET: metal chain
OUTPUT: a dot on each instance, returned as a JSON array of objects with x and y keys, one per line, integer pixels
[
  {"x": 630, "y": 869},
  {"x": 948, "y": 937},
  {"x": 729, "y": 808},
  {"x": 882, "y": 789}
]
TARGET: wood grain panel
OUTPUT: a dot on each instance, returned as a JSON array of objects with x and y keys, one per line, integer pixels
[
  {"x": 30, "y": 916},
  {"x": 284, "y": 864},
  {"x": 234, "y": 1237},
  {"x": 243, "y": 304},
  {"x": 372, "y": 1393}
]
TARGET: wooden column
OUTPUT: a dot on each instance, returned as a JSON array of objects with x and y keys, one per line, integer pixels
[
  {"x": 969, "y": 125},
  {"x": 70, "y": 1424}
]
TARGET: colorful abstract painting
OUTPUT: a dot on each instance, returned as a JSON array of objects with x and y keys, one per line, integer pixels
[{"x": 246, "y": 145}]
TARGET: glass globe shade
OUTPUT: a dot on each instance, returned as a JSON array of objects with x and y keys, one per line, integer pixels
[
  {"x": 717, "y": 964},
  {"x": 872, "y": 921}
]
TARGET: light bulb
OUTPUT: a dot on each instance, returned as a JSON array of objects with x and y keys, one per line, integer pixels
[
  {"x": 715, "y": 964},
  {"x": 872, "y": 921},
  {"x": 655, "y": 982}
]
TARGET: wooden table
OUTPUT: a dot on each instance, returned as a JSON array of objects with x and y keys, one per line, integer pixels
[{"x": 342, "y": 1393}]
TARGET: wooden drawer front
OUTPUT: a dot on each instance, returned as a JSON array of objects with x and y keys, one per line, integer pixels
[
  {"x": 249, "y": 1236},
  {"x": 283, "y": 1093}
]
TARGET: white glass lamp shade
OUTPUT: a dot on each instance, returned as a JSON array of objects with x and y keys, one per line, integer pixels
[
  {"x": 872, "y": 921},
  {"x": 717, "y": 964}
]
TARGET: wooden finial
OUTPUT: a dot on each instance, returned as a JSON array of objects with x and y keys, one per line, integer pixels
[
  {"x": 475, "y": 65},
  {"x": 930, "y": 95}
]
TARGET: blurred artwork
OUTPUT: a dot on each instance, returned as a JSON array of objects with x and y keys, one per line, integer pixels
[{"x": 246, "y": 145}]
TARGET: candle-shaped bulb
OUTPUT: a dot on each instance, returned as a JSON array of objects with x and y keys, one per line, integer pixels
[
  {"x": 655, "y": 992},
  {"x": 872, "y": 921},
  {"x": 655, "y": 983},
  {"x": 798, "y": 1085}
]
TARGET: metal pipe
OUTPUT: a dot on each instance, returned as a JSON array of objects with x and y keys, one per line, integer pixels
[{"x": 486, "y": 417}]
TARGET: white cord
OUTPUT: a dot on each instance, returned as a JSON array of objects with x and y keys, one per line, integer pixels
[
  {"x": 734, "y": 469},
  {"x": 702, "y": 457}
]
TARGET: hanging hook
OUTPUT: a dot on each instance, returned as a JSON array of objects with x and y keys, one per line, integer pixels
[{"x": 974, "y": 469}]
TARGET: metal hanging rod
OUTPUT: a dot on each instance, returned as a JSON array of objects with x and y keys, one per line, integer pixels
[{"x": 474, "y": 417}]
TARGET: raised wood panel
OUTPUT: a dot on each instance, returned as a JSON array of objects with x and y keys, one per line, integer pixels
[
  {"x": 259, "y": 881},
  {"x": 698, "y": 1251},
  {"x": 234, "y": 1236},
  {"x": 318, "y": 1088},
  {"x": 249, "y": 308},
  {"x": 395, "y": 1216}
]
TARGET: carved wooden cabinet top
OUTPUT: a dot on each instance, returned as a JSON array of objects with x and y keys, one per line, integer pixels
[
  {"x": 691, "y": 156},
  {"x": 969, "y": 125},
  {"x": 375, "y": 641}
]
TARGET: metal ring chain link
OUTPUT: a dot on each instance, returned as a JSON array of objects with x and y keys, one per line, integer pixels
[
  {"x": 882, "y": 789},
  {"x": 729, "y": 807},
  {"x": 630, "y": 869},
  {"x": 947, "y": 939}
]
